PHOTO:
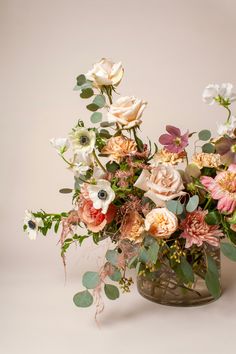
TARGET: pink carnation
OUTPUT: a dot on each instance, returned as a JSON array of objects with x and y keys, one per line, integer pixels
[
  {"x": 223, "y": 189},
  {"x": 196, "y": 230}
]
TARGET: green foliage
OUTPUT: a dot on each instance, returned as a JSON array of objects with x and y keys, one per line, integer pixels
[
  {"x": 87, "y": 93},
  {"x": 96, "y": 117},
  {"x": 208, "y": 148},
  {"x": 204, "y": 135},
  {"x": 185, "y": 271},
  {"x": 81, "y": 79},
  {"x": 111, "y": 291},
  {"x": 104, "y": 134},
  {"x": 212, "y": 277},
  {"x": 175, "y": 206},
  {"x": 112, "y": 167},
  {"x": 192, "y": 203},
  {"x": 66, "y": 190},
  {"x": 91, "y": 280},
  {"x": 100, "y": 101},
  {"x": 116, "y": 275},
  {"x": 112, "y": 257},
  {"x": 83, "y": 299},
  {"x": 229, "y": 250},
  {"x": 213, "y": 218},
  {"x": 148, "y": 253},
  {"x": 92, "y": 107}
]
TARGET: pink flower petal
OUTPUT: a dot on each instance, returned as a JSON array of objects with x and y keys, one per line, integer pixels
[
  {"x": 166, "y": 139},
  {"x": 173, "y": 130}
]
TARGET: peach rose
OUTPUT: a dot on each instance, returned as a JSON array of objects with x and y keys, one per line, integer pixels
[
  {"x": 106, "y": 73},
  {"x": 132, "y": 227},
  {"x": 161, "y": 223},
  {"x": 127, "y": 111},
  {"x": 93, "y": 218},
  {"x": 162, "y": 184},
  {"x": 118, "y": 147}
]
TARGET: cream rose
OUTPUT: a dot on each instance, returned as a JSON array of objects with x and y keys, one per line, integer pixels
[
  {"x": 126, "y": 111},
  {"x": 161, "y": 223},
  {"x": 162, "y": 184},
  {"x": 106, "y": 73}
]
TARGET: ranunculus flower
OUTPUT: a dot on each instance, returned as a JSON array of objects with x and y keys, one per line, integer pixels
[
  {"x": 196, "y": 230},
  {"x": 106, "y": 73},
  {"x": 174, "y": 141},
  {"x": 223, "y": 189},
  {"x": 207, "y": 160},
  {"x": 226, "y": 147},
  {"x": 83, "y": 141},
  {"x": 162, "y": 184},
  {"x": 60, "y": 144},
  {"x": 101, "y": 194},
  {"x": 161, "y": 223},
  {"x": 132, "y": 227},
  {"x": 228, "y": 128},
  {"x": 119, "y": 147},
  {"x": 213, "y": 92},
  {"x": 94, "y": 219},
  {"x": 126, "y": 111}
]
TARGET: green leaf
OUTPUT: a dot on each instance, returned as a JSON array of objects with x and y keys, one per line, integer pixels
[
  {"x": 112, "y": 167},
  {"x": 96, "y": 117},
  {"x": 143, "y": 255},
  {"x": 81, "y": 79},
  {"x": 133, "y": 262},
  {"x": 66, "y": 190},
  {"x": 229, "y": 250},
  {"x": 175, "y": 206},
  {"x": 106, "y": 124},
  {"x": 92, "y": 107},
  {"x": 56, "y": 226},
  {"x": 213, "y": 218},
  {"x": 100, "y": 101},
  {"x": 83, "y": 299},
  {"x": 153, "y": 252},
  {"x": 104, "y": 134},
  {"x": 187, "y": 270},
  {"x": 112, "y": 257},
  {"x": 204, "y": 135},
  {"x": 86, "y": 93},
  {"x": 212, "y": 278},
  {"x": 111, "y": 291},
  {"x": 91, "y": 280},
  {"x": 116, "y": 275},
  {"x": 192, "y": 203},
  {"x": 192, "y": 170},
  {"x": 208, "y": 148}
]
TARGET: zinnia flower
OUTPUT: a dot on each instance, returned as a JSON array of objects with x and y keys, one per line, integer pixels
[
  {"x": 60, "y": 144},
  {"x": 162, "y": 184},
  {"x": 165, "y": 157},
  {"x": 161, "y": 223},
  {"x": 132, "y": 227},
  {"x": 207, "y": 160},
  {"x": 213, "y": 92},
  {"x": 106, "y": 73},
  {"x": 31, "y": 225},
  {"x": 101, "y": 194},
  {"x": 174, "y": 141},
  {"x": 223, "y": 189},
  {"x": 226, "y": 147},
  {"x": 83, "y": 141},
  {"x": 196, "y": 230},
  {"x": 119, "y": 147}
]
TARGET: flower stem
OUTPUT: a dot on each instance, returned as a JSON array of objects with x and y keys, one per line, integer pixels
[
  {"x": 98, "y": 161},
  {"x": 68, "y": 162},
  {"x": 229, "y": 114}
]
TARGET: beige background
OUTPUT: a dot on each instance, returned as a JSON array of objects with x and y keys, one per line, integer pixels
[{"x": 170, "y": 50}]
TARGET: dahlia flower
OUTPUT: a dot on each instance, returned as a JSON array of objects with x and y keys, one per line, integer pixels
[
  {"x": 196, "y": 230},
  {"x": 174, "y": 141},
  {"x": 223, "y": 189}
]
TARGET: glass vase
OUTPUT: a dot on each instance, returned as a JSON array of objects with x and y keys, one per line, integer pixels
[{"x": 165, "y": 287}]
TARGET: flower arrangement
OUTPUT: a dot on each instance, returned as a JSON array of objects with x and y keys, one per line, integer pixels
[{"x": 158, "y": 204}]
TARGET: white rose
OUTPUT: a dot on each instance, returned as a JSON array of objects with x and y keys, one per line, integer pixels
[
  {"x": 161, "y": 223},
  {"x": 162, "y": 184},
  {"x": 106, "y": 73},
  {"x": 126, "y": 111},
  {"x": 60, "y": 144}
]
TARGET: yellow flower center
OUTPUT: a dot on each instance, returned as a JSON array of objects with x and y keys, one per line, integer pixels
[{"x": 228, "y": 182}]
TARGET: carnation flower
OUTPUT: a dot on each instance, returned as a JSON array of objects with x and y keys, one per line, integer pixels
[
  {"x": 161, "y": 223},
  {"x": 132, "y": 227},
  {"x": 83, "y": 141},
  {"x": 119, "y": 147},
  {"x": 174, "y": 141},
  {"x": 223, "y": 189},
  {"x": 196, "y": 230},
  {"x": 31, "y": 225},
  {"x": 163, "y": 156},
  {"x": 60, "y": 144},
  {"x": 162, "y": 184},
  {"x": 126, "y": 111},
  {"x": 213, "y": 92},
  {"x": 101, "y": 194},
  {"x": 228, "y": 128},
  {"x": 106, "y": 73},
  {"x": 207, "y": 160},
  {"x": 226, "y": 147}
]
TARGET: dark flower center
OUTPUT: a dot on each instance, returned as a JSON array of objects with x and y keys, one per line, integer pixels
[
  {"x": 84, "y": 140},
  {"x": 31, "y": 224},
  {"x": 102, "y": 194}
]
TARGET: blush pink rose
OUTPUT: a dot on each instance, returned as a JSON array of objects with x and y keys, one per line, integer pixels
[{"x": 93, "y": 218}]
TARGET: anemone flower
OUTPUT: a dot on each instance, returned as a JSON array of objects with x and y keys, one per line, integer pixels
[{"x": 174, "y": 141}]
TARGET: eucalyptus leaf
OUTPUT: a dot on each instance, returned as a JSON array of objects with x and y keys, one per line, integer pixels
[
  {"x": 91, "y": 280},
  {"x": 153, "y": 252},
  {"x": 213, "y": 218},
  {"x": 112, "y": 257},
  {"x": 86, "y": 93},
  {"x": 192, "y": 203},
  {"x": 66, "y": 190},
  {"x": 92, "y": 107},
  {"x": 96, "y": 117},
  {"x": 212, "y": 278},
  {"x": 112, "y": 167},
  {"x": 187, "y": 270},
  {"x": 204, "y": 135},
  {"x": 175, "y": 206},
  {"x": 83, "y": 299},
  {"x": 111, "y": 291},
  {"x": 104, "y": 134},
  {"x": 81, "y": 79},
  {"x": 229, "y": 250},
  {"x": 116, "y": 275},
  {"x": 208, "y": 148},
  {"x": 100, "y": 101}
]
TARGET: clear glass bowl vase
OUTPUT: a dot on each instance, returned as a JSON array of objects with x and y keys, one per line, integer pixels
[{"x": 164, "y": 286}]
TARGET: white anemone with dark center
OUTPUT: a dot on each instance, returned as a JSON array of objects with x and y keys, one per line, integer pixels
[
  {"x": 32, "y": 224},
  {"x": 101, "y": 194},
  {"x": 83, "y": 140}
]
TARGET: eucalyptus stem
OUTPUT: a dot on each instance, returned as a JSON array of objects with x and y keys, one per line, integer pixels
[{"x": 98, "y": 161}]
